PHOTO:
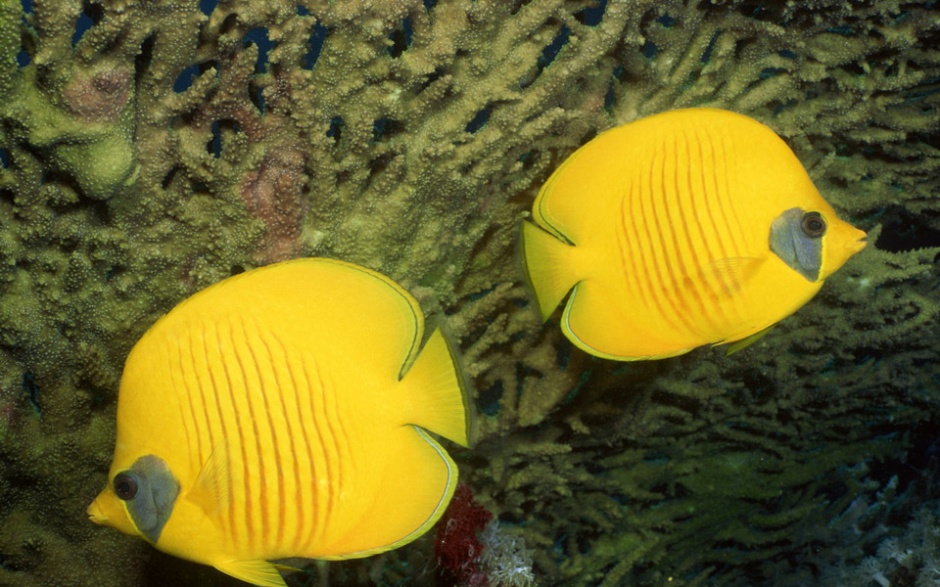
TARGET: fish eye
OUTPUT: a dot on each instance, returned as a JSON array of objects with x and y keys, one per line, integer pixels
[
  {"x": 813, "y": 225},
  {"x": 125, "y": 486}
]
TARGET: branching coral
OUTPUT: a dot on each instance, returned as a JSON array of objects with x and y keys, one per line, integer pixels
[{"x": 150, "y": 148}]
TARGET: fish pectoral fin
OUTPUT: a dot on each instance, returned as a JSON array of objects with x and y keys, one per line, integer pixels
[
  {"x": 256, "y": 572},
  {"x": 209, "y": 491},
  {"x": 729, "y": 275},
  {"x": 724, "y": 277}
]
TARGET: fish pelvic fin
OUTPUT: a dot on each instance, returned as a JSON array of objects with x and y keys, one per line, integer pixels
[
  {"x": 740, "y": 345},
  {"x": 547, "y": 265},
  {"x": 438, "y": 393},
  {"x": 256, "y": 572}
]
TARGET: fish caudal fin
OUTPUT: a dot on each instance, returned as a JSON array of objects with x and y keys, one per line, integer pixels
[
  {"x": 437, "y": 392},
  {"x": 547, "y": 267}
]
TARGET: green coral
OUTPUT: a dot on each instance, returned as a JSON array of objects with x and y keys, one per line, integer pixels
[
  {"x": 78, "y": 117},
  {"x": 411, "y": 137}
]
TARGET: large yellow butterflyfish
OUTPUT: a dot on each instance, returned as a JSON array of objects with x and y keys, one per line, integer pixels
[
  {"x": 283, "y": 413},
  {"x": 691, "y": 227}
]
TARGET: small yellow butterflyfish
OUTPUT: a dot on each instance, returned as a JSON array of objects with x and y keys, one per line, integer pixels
[
  {"x": 687, "y": 228},
  {"x": 281, "y": 413}
]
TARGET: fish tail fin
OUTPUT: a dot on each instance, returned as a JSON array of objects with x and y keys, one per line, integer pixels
[
  {"x": 440, "y": 400},
  {"x": 546, "y": 267}
]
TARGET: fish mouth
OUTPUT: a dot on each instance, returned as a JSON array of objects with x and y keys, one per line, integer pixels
[
  {"x": 854, "y": 240},
  {"x": 858, "y": 245},
  {"x": 95, "y": 514}
]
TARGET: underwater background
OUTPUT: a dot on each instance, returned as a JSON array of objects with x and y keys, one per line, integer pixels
[{"x": 150, "y": 148}]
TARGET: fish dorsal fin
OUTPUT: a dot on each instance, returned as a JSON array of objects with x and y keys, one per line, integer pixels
[
  {"x": 256, "y": 572},
  {"x": 210, "y": 491}
]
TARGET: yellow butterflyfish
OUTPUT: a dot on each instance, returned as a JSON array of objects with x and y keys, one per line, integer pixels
[
  {"x": 686, "y": 228},
  {"x": 283, "y": 413}
]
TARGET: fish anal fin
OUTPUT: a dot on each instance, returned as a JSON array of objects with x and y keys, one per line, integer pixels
[
  {"x": 256, "y": 572},
  {"x": 420, "y": 479},
  {"x": 210, "y": 490},
  {"x": 595, "y": 323}
]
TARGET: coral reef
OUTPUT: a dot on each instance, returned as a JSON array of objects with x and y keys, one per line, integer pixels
[
  {"x": 473, "y": 550},
  {"x": 150, "y": 148},
  {"x": 458, "y": 544},
  {"x": 506, "y": 561},
  {"x": 903, "y": 555}
]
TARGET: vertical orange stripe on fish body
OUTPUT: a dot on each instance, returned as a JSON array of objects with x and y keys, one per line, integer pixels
[
  {"x": 279, "y": 414},
  {"x": 679, "y": 230}
]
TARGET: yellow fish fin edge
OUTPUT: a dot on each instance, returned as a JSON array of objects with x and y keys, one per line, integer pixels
[
  {"x": 438, "y": 392},
  {"x": 256, "y": 572},
  {"x": 547, "y": 267}
]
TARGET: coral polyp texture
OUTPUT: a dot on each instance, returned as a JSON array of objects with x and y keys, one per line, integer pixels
[{"x": 151, "y": 148}]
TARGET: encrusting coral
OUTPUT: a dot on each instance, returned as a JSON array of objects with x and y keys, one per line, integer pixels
[{"x": 151, "y": 148}]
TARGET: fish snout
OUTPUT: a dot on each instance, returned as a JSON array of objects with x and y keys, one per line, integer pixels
[
  {"x": 857, "y": 242},
  {"x": 102, "y": 510},
  {"x": 95, "y": 514}
]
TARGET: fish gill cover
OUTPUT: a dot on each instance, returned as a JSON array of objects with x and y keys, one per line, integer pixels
[{"x": 151, "y": 148}]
